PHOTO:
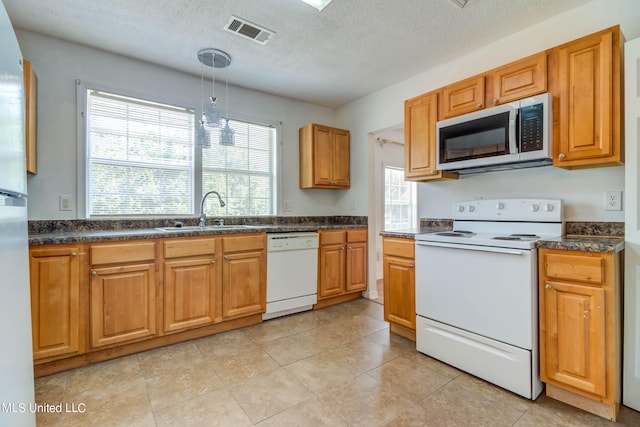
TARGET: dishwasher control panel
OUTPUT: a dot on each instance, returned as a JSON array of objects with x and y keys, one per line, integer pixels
[{"x": 291, "y": 241}]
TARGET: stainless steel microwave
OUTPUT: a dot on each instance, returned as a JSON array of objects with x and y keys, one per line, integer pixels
[{"x": 513, "y": 135}]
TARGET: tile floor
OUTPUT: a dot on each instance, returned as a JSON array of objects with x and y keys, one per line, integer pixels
[{"x": 332, "y": 367}]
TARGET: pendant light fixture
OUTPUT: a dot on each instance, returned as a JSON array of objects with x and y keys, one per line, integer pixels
[
  {"x": 213, "y": 58},
  {"x": 227, "y": 135}
]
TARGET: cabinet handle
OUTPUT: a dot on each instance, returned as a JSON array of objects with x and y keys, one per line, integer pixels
[
  {"x": 93, "y": 273},
  {"x": 73, "y": 254},
  {"x": 342, "y": 248},
  {"x": 431, "y": 171},
  {"x": 333, "y": 183},
  {"x": 226, "y": 258},
  {"x": 561, "y": 156},
  {"x": 547, "y": 286},
  {"x": 479, "y": 105},
  {"x": 411, "y": 265},
  {"x": 495, "y": 100},
  {"x": 213, "y": 261},
  {"x": 349, "y": 247}
]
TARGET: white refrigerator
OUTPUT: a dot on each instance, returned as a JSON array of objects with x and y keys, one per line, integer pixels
[{"x": 16, "y": 363}]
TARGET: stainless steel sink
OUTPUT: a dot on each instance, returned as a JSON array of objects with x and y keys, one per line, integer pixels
[{"x": 206, "y": 227}]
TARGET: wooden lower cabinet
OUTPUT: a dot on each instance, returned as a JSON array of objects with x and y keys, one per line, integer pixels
[
  {"x": 190, "y": 280},
  {"x": 342, "y": 265},
  {"x": 55, "y": 300},
  {"x": 580, "y": 329},
  {"x": 399, "y": 285},
  {"x": 122, "y": 292},
  {"x": 244, "y": 276}
]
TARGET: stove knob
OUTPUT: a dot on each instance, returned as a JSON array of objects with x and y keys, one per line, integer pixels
[
  {"x": 471, "y": 208},
  {"x": 460, "y": 208},
  {"x": 534, "y": 208},
  {"x": 499, "y": 205},
  {"x": 548, "y": 207}
]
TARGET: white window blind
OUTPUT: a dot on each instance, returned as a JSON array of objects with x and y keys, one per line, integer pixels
[
  {"x": 244, "y": 174},
  {"x": 140, "y": 157},
  {"x": 399, "y": 200}
]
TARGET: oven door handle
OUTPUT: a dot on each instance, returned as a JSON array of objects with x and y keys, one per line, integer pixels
[{"x": 472, "y": 248}]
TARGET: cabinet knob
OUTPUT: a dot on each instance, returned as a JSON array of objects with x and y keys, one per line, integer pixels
[
  {"x": 495, "y": 100},
  {"x": 333, "y": 183},
  {"x": 226, "y": 257},
  {"x": 342, "y": 248},
  {"x": 431, "y": 171},
  {"x": 93, "y": 273},
  {"x": 349, "y": 247},
  {"x": 411, "y": 265},
  {"x": 213, "y": 261},
  {"x": 73, "y": 254},
  {"x": 561, "y": 156},
  {"x": 479, "y": 105},
  {"x": 547, "y": 286}
]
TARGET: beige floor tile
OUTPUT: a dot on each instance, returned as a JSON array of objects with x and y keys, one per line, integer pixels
[
  {"x": 225, "y": 344},
  {"x": 458, "y": 405},
  {"x": 389, "y": 340},
  {"x": 433, "y": 364},
  {"x": 161, "y": 360},
  {"x": 313, "y": 412},
  {"x": 190, "y": 380},
  {"x": 552, "y": 413},
  {"x": 498, "y": 393},
  {"x": 217, "y": 408},
  {"x": 323, "y": 371},
  {"x": 291, "y": 348},
  {"x": 270, "y": 393},
  {"x": 628, "y": 417},
  {"x": 363, "y": 402},
  {"x": 236, "y": 368},
  {"x": 102, "y": 376},
  {"x": 409, "y": 379},
  {"x": 50, "y": 391}
]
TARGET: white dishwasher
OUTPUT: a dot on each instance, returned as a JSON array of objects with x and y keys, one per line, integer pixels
[{"x": 292, "y": 273}]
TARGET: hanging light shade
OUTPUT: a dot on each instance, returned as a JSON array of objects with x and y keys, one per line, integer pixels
[
  {"x": 213, "y": 58},
  {"x": 227, "y": 135}
]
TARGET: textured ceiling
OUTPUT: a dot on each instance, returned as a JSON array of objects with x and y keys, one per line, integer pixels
[{"x": 350, "y": 49}]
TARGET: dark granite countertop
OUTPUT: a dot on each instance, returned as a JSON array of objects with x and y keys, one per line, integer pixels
[
  {"x": 56, "y": 232},
  {"x": 581, "y": 236}
]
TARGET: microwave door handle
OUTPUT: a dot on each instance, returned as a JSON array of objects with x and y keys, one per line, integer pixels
[{"x": 513, "y": 131}]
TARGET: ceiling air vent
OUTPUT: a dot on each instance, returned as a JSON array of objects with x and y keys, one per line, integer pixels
[{"x": 248, "y": 29}]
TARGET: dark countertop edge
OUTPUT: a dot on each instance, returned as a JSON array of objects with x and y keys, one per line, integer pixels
[{"x": 152, "y": 233}]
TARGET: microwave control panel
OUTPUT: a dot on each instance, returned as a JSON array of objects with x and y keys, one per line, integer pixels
[{"x": 531, "y": 128}]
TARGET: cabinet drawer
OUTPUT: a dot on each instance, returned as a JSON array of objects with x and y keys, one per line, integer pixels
[
  {"x": 190, "y": 247},
  {"x": 332, "y": 237},
  {"x": 575, "y": 267},
  {"x": 122, "y": 252},
  {"x": 244, "y": 243},
  {"x": 357, "y": 235},
  {"x": 404, "y": 248}
]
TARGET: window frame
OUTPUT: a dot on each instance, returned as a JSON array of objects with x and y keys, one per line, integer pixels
[{"x": 413, "y": 205}]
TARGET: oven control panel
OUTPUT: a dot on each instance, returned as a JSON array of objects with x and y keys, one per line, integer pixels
[{"x": 535, "y": 210}]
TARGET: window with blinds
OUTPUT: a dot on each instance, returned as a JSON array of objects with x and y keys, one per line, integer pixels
[
  {"x": 400, "y": 207},
  {"x": 244, "y": 174},
  {"x": 140, "y": 157}
]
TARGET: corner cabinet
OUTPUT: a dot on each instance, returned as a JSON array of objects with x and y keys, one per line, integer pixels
[
  {"x": 55, "y": 300},
  {"x": 420, "y": 117},
  {"x": 398, "y": 261},
  {"x": 30, "y": 97},
  {"x": 589, "y": 80},
  {"x": 580, "y": 329},
  {"x": 342, "y": 266},
  {"x": 122, "y": 292},
  {"x": 324, "y": 157}
]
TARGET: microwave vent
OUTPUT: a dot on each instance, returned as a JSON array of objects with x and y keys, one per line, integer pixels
[{"x": 249, "y": 30}]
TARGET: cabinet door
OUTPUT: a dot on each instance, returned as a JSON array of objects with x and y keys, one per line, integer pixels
[
  {"x": 573, "y": 336},
  {"x": 123, "y": 304},
  {"x": 341, "y": 163},
  {"x": 55, "y": 307},
  {"x": 399, "y": 291},
  {"x": 331, "y": 270},
  {"x": 463, "y": 97},
  {"x": 189, "y": 293},
  {"x": 520, "y": 79},
  {"x": 586, "y": 103},
  {"x": 420, "y": 117},
  {"x": 356, "y": 278},
  {"x": 322, "y": 155},
  {"x": 243, "y": 284}
]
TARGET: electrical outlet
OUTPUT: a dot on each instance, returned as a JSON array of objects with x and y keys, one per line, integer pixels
[
  {"x": 64, "y": 202},
  {"x": 613, "y": 200},
  {"x": 287, "y": 206}
]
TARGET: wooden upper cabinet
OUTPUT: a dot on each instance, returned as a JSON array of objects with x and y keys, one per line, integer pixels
[
  {"x": 519, "y": 79},
  {"x": 55, "y": 300},
  {"x": 463, "y": 97},
  {"x": 30, "y": 96},
  {"x": 420, "y": 117},
  {"x": 589, "y": 77},
  {"x": 324, "y": 157}
]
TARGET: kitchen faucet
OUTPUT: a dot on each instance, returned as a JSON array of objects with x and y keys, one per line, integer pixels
[{"x": 203, "y": 217}]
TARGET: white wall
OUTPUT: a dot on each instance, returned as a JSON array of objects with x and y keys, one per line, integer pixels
[
  {"x": 58, "y": 64},
  {"x": 583, "y": 191}
]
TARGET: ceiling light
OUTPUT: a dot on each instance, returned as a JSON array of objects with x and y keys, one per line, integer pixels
[
  {"x": 214, "y": 58},
  {"x": 460, "y": 3},
  {"x": 318, "y": 4}
]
